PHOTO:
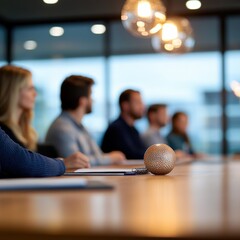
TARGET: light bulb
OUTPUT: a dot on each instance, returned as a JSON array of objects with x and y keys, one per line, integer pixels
[
  {"x": 56, "y": 31},
  {"x": 30, "y": 45},
  {"x": 169, "y": 32},
  {"x": 143, "y": 18},
  {"x": 98, "y": 29},
  {"x": 176, "y": 36},
  {"x": 50, "y": 1},
  {"x": 193, "y": 4},
  {"x": 144, "y": 9}
]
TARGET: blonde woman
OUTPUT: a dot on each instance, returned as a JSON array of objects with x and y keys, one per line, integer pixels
[{"x": 17, "y": 99}]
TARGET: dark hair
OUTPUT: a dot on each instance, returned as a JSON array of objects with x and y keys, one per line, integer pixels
[
  {"x": 176, "y": 115},
  {"x": 174, "y": 130},
  {"x": 154, "y": 108},
  {"x": 73, "y": 88},
  {"x": 125, "y": 96}
]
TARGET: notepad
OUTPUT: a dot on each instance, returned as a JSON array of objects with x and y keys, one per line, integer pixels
[
  {"x": 51, "y": 184},
  {"x": 108, "y": 171}
]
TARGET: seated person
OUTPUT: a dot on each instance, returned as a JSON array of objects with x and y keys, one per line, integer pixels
[
  {"x": 178, "y": 138},
  {"x": 121, "y": 134},
  {"x": 16, "y": 161},
  {"x": 67, "y": 133},
  {"x": 17, "y": 99},
  {"x": 157, "y": 119}
]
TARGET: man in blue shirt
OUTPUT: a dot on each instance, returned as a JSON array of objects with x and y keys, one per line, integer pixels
[{"x": 121, "y": 134}]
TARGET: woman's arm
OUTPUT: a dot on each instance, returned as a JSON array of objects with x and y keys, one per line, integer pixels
[{"x": 15, "y": 161}]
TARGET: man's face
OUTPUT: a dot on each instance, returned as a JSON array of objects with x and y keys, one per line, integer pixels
[
  {"x": 88, "y": 108},
  {"x": 136, "y": 106},
  {"x": 161, "y": 117}
]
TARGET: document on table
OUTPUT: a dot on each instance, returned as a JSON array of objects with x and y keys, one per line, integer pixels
[
  {"x": 51, "y": 183},
  {"x": 107, "y": 171}
]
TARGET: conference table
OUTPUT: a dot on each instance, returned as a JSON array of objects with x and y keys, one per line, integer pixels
[{"x": 199, "y": 198}]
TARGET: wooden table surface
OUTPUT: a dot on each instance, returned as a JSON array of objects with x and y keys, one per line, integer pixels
[{"x": 198, "y": 199}]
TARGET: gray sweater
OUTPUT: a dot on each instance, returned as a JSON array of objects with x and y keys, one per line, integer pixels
[{"x": 68, "y": 137}]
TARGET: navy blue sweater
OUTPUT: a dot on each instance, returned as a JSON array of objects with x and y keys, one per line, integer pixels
[
  {"x": 16, "y": 161},
  {"x": 122, "y": 137}
]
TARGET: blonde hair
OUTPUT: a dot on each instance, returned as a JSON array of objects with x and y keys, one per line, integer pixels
[{"x": 12, "y": 80}]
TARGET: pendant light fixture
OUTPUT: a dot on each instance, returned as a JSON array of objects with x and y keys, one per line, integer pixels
[
  {"x": 143, "y": 18},
  {"x": 176, "y": 36}
]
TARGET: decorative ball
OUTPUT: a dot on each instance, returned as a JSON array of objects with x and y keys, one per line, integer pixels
[{"x": 159, "y": 159}]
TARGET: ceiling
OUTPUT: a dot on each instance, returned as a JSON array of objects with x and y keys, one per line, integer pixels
[
  {"x": 32, "y": 19},
  {"x": 30, "y": 11}
]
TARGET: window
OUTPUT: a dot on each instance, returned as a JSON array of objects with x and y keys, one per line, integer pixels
[
  {"x": 48, "y": 76},
  {"x": 77, "y": 51},
  {"x": 185, "y": 82},
  {"x": 233, "y": 74},
  {"x": 190, "y": 82}
]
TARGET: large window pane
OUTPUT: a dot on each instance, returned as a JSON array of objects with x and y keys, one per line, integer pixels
[
  {"x": 48, "y": 76},
  {"x": 233, "y": 102},
  {"x": 185, "y": 82},
  {"x": 233, "y": 75}
]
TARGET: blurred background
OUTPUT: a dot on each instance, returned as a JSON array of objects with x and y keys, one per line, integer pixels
[{"x": 90, "y": 40}]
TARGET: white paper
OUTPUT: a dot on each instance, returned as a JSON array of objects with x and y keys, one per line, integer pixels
[
  {"x": 105, "y": 170},
  {"x": 39, "y": 183}
]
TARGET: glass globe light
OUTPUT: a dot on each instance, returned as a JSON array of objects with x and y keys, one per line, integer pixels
[
  {"x": 176, "y": 36},
  {"x": 143, "y": 18}
]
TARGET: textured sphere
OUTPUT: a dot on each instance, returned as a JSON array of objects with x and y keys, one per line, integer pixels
[{"x": 159, "y": 159}]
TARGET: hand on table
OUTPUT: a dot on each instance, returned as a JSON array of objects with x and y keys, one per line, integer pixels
[
  {"x": 76, "y": 160},
  {"x": 116, "y": 157}
]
